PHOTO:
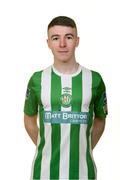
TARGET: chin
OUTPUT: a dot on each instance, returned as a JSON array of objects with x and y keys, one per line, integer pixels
[{"x": 62, "y": 59}]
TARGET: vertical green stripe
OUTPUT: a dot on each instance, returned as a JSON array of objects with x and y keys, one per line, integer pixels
[
  {"x": 90, "y": 163},
  {"x": 37, "y": 164},
  {"x": 55, "y": 136},
  {"x": 74, "y": 131}
]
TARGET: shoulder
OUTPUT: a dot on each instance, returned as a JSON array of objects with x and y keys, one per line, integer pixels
[
  {"x": 94, "y": 73},
  {"x": 96, "y": 76},
  {"x": 36, "y": 75},
  {"x": 35, "y": 78}
]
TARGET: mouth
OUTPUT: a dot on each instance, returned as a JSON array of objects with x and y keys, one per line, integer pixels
[{"x": 63, "y": 51}]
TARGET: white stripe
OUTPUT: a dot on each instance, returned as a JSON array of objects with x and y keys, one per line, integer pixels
[
  {"x": 65, "y": 136},
  {"x": 46, "y": 101},
  {"x": 86, "y": 98}
]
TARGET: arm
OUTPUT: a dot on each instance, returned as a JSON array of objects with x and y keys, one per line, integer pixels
[
  {"x": 31, "y": 127},
  {"x": 98, "y": 128}
]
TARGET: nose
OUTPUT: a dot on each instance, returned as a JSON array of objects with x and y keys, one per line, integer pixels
[{"x": 62, "y": 42}]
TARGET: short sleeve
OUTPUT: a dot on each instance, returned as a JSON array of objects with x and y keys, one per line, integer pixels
[
  {"x": 31, "y": 102},
  {"x": 100, "y": 104}
]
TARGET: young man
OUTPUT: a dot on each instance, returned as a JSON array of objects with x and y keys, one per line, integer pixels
[{"x": 71, "y": 103}]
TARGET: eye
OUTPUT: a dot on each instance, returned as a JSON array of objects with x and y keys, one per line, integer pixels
[
  {"x": 55, "y": 38},
  {"x": 69, "y": 37}
]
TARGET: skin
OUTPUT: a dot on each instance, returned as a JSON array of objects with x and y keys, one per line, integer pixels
[
  {"x": 30, "y": 123},
  {"x": 63, "y": 42},
  {"x": 98, "y": 129}
]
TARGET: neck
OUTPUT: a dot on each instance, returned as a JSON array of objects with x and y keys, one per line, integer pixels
[{"x": 66, "y": 67}]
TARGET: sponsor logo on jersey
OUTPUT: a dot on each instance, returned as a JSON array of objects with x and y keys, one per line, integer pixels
[
  {"x": 66, "y": 97},
  {"x": 66, "y": 117},
  {"x": 27, "y": 93},
  {"x": 105, "y": 103}
]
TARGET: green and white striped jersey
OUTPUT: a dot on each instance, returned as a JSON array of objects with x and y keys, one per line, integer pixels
[{"x": 67, "y": 105}]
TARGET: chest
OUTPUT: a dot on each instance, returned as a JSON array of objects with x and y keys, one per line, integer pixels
[{"x": 66, "y": 93}]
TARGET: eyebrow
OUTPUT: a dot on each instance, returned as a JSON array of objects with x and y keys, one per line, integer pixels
[
  {"x": 69, "y": 34},
  {"x": 56, "y": 35}
]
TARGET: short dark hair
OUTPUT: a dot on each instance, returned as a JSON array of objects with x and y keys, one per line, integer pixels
[{"x": 62, "y": 21}]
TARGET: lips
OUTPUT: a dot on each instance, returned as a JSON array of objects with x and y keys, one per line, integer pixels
[{"x": 62, "y": 51}]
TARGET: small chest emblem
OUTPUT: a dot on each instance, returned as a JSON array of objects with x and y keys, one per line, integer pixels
[{"x": 66, "y": 97}]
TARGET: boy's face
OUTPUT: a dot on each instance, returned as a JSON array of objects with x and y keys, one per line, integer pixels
[{"x": 62, "y": 41}]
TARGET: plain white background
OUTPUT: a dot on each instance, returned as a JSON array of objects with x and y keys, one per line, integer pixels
[{"x": 23, "y": 50}]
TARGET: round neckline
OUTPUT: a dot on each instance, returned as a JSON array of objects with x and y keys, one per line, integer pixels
[{"x": 70, "y": 75}]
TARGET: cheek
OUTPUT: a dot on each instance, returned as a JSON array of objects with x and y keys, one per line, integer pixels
[
  {"x": 54, "y": 46},
  {"x": 54, "y": 49},
  {"x": 72, "y": 47}
]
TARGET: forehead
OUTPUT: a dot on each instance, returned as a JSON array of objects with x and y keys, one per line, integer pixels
[{"x": 61, "y": 30}]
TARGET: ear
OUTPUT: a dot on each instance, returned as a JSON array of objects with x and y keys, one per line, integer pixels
[
  {"x": 77, "y": 41},
  {"x": 48, "y": 43}
]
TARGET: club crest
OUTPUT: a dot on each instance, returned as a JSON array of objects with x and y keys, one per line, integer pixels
[{"x": 66, "y": 97}]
